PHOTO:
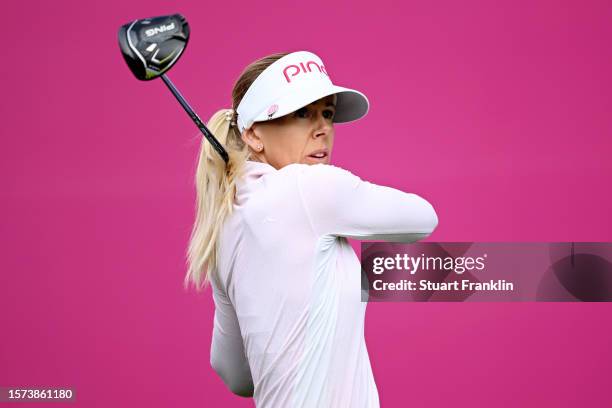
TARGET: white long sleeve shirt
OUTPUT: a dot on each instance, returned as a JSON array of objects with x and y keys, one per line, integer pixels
[{"x": 289, "y": 320}]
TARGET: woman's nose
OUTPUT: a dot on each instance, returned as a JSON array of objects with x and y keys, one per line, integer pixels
[{"x": 324, "y": 125}]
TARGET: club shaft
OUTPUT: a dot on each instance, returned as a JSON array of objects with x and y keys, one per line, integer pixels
[{"x": 207, "y": 133}]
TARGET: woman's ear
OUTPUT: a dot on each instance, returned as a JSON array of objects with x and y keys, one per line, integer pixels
[{"x": 250, "y": 137}]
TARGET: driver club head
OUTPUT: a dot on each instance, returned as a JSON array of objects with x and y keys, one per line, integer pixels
[{"x": 151, "y": 46}]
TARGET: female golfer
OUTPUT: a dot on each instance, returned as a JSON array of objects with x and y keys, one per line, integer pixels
[{"x": 270, "y": 237}]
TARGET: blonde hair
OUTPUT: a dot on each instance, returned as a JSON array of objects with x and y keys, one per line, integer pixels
[{"x": 215, "y": 181}]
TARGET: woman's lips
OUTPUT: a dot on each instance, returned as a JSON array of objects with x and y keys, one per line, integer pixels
[
  {"x": 318, "y": 156},
  {"x": 315, "y": 159}
]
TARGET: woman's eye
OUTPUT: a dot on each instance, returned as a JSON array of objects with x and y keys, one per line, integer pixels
[{"x": 301, "y": 112}]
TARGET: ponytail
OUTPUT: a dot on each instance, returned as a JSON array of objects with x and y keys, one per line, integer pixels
[{"x": 215, "y": 183}]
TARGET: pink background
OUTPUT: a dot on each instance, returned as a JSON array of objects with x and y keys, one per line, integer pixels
[{"x": 498, "y": 113}]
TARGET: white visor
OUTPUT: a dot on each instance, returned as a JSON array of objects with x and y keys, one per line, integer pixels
[{"x": 292, "y": 82}]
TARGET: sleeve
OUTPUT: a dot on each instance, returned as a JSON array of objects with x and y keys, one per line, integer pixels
[
  {"x": 340, "y": 203},
  {"x": 227, "y": 356}
]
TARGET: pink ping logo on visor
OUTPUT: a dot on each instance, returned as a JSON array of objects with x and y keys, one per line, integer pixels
[{"x": 305, "y": 69}]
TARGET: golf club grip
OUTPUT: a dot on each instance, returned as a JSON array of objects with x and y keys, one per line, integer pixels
[{"x": 207, "y": 133}]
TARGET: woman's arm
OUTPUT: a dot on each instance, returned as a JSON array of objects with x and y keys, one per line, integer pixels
[
  {"x": 227, "y": 355},
  {"x": 340, "y": 203}
]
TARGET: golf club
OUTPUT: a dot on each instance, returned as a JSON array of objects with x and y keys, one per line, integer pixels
[{"x": 150, "y": 47}]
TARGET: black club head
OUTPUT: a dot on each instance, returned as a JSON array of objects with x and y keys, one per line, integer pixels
[{"x": 151, "y": 46}]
